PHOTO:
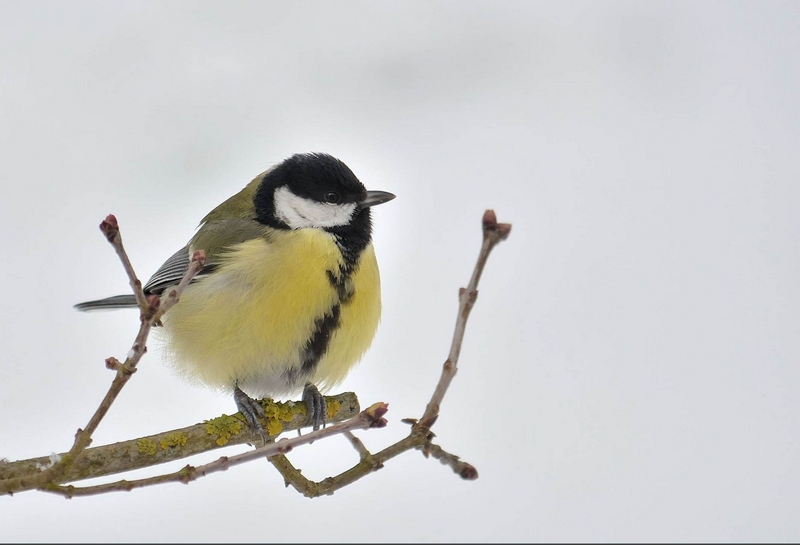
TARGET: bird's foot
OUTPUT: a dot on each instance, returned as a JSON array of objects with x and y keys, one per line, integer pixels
[
  {"x": 316, "y": 405},
  {"x": 251, "y": 410}
]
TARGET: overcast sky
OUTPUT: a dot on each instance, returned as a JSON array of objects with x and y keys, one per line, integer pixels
[{"x": 630, "y": 371}]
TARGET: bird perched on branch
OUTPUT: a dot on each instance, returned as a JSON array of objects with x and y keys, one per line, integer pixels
[{"x": 289, "y": 298}]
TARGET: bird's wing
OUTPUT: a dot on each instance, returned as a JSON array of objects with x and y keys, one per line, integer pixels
[
  {"x": 170, "y": 273},
  {"x": 214, "y": 238}
]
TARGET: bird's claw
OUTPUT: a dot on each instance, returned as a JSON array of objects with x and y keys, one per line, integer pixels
[
  {"x": 251, "y": 410},
  {"x": 316, "y": 405}
]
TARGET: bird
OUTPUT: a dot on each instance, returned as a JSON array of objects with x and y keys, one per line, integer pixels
[{"x": 289, "y": 298}]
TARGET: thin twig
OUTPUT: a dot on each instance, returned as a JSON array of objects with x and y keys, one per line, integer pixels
[
  {"x": 462, "y": 469},
  {"x": 493, "y": 233},
  {"x": 110, "y": 229},
  {"x": 357, "y": 444},
  {"x": 368, "y": 464},
  {"x": 199, "y": 257}
]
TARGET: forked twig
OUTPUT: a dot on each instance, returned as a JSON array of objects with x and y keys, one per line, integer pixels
[{"x": 148, "y": 315}]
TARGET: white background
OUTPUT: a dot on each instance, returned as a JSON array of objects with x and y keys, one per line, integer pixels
[{"x": 630, "y": 369}]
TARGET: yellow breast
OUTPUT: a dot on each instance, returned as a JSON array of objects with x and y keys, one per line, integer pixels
[{"x": 251, "y": 320}]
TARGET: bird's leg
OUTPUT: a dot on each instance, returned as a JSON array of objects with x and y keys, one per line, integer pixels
[
  {"x": 316, "y": 405},
  {"x": 251, "y": 409}
]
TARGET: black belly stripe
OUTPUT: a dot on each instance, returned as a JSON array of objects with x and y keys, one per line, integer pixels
[
  {"x": 320, "y": 339},
  {"x": 325, "y": 326}
]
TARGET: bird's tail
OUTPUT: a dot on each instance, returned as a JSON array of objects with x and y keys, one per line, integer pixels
[{"x": 109, "y": 303}]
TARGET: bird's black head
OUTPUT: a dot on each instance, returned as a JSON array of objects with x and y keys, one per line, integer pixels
[{"x": 315, "y": 190}]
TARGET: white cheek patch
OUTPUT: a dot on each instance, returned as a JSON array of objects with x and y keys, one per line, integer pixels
[{"x": 298, "y": 212}]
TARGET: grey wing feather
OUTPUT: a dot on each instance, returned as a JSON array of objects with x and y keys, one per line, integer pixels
[
  {"x": 109, "y": 303},
  {"x": 170, "y": 273}
]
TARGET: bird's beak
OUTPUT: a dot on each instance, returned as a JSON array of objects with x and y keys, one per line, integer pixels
[{"x": 376, "y": 197}]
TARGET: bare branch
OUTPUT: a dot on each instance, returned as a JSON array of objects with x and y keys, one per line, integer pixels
[
  {"x": 493, "y": 233},
  {"x": 462, "y": 469},
  {"x": 357, "y": 444},
  {"x": 223, "y": 431},
  {"x": 372, "y": 417},
  {"x": 195, "y": 266},
  {"x": 368, "y": 464},
  {"x": 110, "y": 229}
]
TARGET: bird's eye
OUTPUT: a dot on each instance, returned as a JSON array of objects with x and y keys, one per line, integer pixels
[{"x": 332, "y": 197}]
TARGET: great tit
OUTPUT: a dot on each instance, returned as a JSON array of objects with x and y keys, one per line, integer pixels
[{"x": 289, "y": 298}]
